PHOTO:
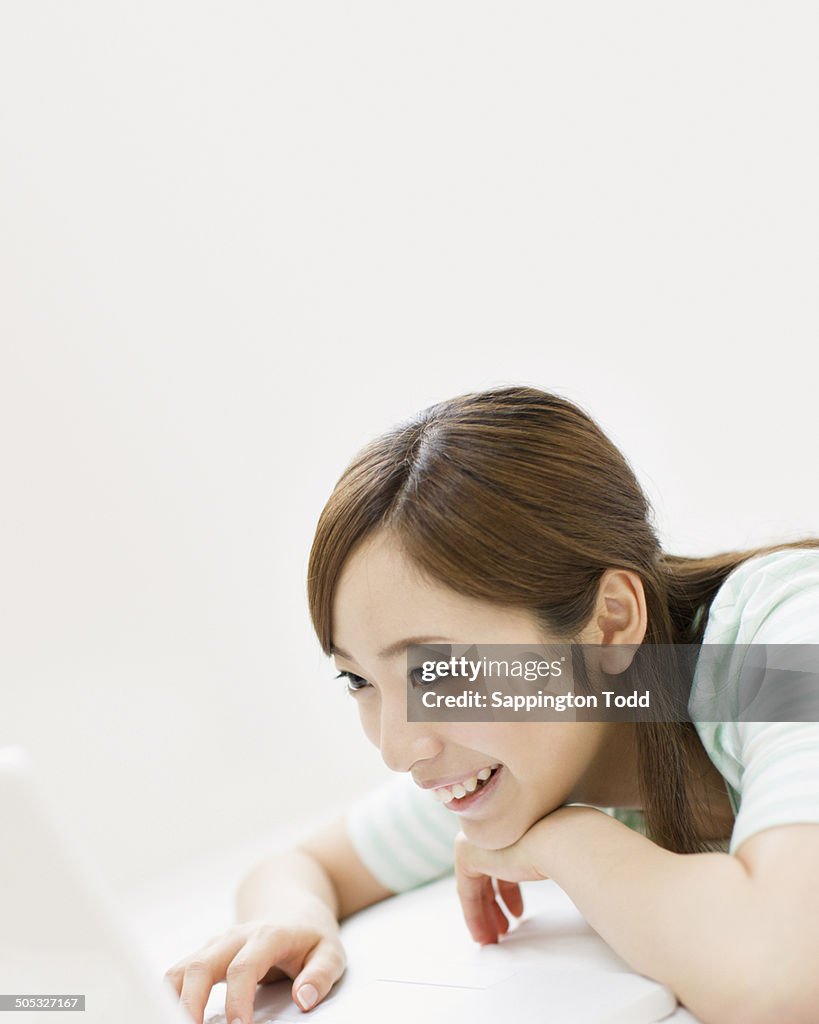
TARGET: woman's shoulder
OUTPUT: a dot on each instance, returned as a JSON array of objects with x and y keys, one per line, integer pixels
[
  {"x": 777, "y": 583},
  {"x": 770, "y": 599}
]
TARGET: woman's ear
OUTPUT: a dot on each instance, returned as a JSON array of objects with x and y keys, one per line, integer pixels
[{"x": 619, "y": 621}]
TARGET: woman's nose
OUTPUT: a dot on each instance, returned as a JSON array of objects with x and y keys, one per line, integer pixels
[{"x": 403, "y": 743}]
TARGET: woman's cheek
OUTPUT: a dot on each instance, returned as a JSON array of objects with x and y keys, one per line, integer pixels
[{"x": 369, "y": 718}]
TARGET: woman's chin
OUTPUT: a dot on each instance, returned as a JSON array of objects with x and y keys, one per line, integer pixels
[{"x": 489, "y": 837}]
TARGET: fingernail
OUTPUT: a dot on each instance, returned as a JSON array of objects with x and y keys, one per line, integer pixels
[
  {"x": 237, "y": 1021},
  {"x": 307, "y": 996}
]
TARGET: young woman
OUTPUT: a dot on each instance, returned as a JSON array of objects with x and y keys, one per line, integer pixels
[{"x": 507, "y": 516}]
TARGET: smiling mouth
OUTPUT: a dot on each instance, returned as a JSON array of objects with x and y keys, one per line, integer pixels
[{"x": 452, "y": 802}]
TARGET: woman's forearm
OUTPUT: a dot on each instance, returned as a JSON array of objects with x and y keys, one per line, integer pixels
[
  {"x": 284, "y": 880},
  {"x": 693, "y": 922}
]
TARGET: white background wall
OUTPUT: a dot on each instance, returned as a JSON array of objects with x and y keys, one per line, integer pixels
[{"x": 238, "y": 240}]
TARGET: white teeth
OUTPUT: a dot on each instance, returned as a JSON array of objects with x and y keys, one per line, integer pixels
[{"x": 446, "y": 793}]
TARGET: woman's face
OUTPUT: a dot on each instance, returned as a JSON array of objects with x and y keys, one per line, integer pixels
[{"x": 381, "y": 599}]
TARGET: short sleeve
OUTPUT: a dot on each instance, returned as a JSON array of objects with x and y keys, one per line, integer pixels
[
  {"x": 402, "y": 834},
  {"x": 780, "y": 777},
  {"x": 773, "y": 766}
]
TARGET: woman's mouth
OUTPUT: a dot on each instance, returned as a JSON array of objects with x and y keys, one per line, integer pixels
[{"x": 482, "y": 791}]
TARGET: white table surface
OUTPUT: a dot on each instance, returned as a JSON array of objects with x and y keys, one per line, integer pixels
[{"x": 173, "y": 915}]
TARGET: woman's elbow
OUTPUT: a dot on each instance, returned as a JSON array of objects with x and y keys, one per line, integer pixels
[
  {"x": 783, "y": 990},
  {"x": 769, "y": 1001}
]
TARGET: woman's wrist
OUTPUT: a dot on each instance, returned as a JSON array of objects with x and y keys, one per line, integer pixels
[
  {"x": 292, "y": 883},
  {"x": 558, "y": 834}
]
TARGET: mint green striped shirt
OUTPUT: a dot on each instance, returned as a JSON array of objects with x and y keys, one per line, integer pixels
[{"x": 770, "y": 769}]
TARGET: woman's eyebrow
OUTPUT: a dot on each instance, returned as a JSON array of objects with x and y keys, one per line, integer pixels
[{"x": 392, "y": 649}]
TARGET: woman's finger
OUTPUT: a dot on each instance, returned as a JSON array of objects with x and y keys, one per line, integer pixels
[
  {"x": 496, "y": 923},
  {"x": 202, "y": 972},
  {"x": 246, "y": 970},
  {"x": 323, "y": 968},
  {"x": 270, "y": 946},
  {"x": 194, "y": 977},
  {"x": 499, "y": 920},
  {"x": 512, "y": 897},
  {"x": 472, "y": 894}
]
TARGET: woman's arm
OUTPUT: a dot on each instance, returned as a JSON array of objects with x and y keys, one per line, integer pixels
[
  {"x": 354, "y": 886},
  {"x": 729, "y": 935},
  {"x": 324, "y": 870},
  {"x": 289, "y": 908}
]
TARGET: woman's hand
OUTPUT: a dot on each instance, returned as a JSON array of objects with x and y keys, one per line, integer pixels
[
  {"x": 475, "y": 870},
  {"x": 303, "y": 944}
]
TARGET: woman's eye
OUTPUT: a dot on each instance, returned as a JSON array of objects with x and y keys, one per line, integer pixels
[
  {"x": 354, "y": 682},
  {"x": 421, "y": 676}
]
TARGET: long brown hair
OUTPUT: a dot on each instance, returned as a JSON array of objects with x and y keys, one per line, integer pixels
[{"x": 516, "y": 496}]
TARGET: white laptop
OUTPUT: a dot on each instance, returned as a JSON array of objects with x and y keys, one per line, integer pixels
[
  {"x": 63, "y": 945},
  {"x": 410, "y": 958}
]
